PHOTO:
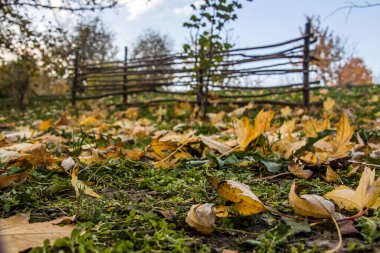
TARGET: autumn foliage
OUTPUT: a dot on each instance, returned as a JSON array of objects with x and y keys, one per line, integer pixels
[{"x": 355, "y": 72}]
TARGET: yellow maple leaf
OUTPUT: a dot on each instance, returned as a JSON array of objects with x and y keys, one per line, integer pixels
[
  {"x": 329, "y": 104},
  {"x": 45, "y": 125},
  {"x": 246, "y": 132},
  {"x": 365, "y": 195}
]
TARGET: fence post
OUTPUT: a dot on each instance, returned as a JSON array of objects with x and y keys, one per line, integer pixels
[
  {"x": 125, "y": 78},
  {"x": 306, "y": 61},
  {"x": 75, "y": 79}
]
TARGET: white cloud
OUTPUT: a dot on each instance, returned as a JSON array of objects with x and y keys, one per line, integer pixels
[
  {"x": 136, "y": 8},
  {"x": 186, "y": 10}
]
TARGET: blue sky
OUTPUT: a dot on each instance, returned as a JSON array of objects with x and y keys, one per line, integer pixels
[{"x": 259, "y": 22}]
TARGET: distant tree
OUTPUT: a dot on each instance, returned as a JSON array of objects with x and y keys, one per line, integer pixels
[
  {"x": 151, "y": 45},
  {"x": 19, "y": 30},
  {"x": 329, "y": 52},
  {"x": 16, "y": 78},
  {"x": 94, "y": 40},
  {"x": 355, "y": 72}
]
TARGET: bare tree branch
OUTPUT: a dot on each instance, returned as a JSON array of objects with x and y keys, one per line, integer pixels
[{"x": 351, "y": 5}]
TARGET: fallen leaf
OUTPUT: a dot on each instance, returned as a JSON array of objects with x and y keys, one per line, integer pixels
[
  {"x": 246, "y": 132},
  {"x": 45, "y": 125},
  {"x": 247, "y": 203},
  {"x": 328, "y": 104},
  {"x": 79, "y": 186},
  {"x": 213, "y": 144},
  {"x": 6, "y": 180},
  {"x": 299, "y": 171},
  {"x": 365, "y": 195},
  {"x": 331, "y": 175},
  {"x": 286, "y": 111},
  {"x": 310, "y": 205},
  {"x": 201, "y": 217},
  {"x": 17, "y": 234}
]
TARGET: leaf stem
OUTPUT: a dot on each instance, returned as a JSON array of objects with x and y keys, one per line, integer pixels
[{"x": 337, "y": 247}]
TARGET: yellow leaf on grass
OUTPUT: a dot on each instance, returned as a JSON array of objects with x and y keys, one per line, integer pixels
[
  {"x": 45, "y": 125},
  {"x": 329, "y": 104},
  {"x": 247, "y": 203},
  {"x": 365, "y": 195},
  {"x": 163, "y": 148},
  {"x": 17, "y": 234},
  {"x": 201, "y": 217},
  {"x": 246, "y": 132},
  {"x": 286, "y": 111},
  {"x": 343, "y": 136},
  {"x": 79, "y": 186},
  {"x": 312, "y": 127},
  {"x": 89, "y": 121},
  {"x": 310, "y": 205}
]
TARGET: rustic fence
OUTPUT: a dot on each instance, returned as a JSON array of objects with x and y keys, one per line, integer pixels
[{"x": 163, "y": 74}]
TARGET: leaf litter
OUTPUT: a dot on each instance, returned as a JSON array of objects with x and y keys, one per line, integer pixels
[{"x": 130, "y": 166}]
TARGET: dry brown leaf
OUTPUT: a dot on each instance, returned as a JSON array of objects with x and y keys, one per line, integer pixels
[
  {"x": 310, "y": 205},
  {"x": 17, "y": 234},
  {"x": 365, "y": 195},
  {"x": 6, "y": 180},
  {"x": 133, "y": 154},
  {"x": 32, "y": 156},
  {"x": 331, "y": 175},
  {"x": 79, "y": 186},
  {"x": 299, "y": 171},
  {"x": 213, "y": 144},
  {"x": 201, "y": 217}
]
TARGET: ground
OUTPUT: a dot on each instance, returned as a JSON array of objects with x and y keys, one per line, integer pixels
[{"x": 144, "y": 196}]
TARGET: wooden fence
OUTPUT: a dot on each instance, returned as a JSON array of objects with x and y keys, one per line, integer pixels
[{"x": 165, "y": 73}]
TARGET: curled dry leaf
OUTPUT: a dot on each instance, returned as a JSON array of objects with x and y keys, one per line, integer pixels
[
  {"x": 17, "y": 234},
  {"x": 310, "y": 205},
  {"x": 365, "y": 195},
  {"x": 247, "y": 203},
  {"x": 201, "y": 217},
  {"x": 80, "y": 186}
]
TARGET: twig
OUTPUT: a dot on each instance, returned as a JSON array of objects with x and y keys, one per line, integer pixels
[
  {"x": 272, "y": 177},
  {"x": 365, "y": 164}
]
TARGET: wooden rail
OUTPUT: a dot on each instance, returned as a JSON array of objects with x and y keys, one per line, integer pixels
[{"x": 158, "y": 74}]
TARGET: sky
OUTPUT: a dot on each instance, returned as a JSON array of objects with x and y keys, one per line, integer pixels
[{"x": 259, "y": 22}]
